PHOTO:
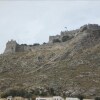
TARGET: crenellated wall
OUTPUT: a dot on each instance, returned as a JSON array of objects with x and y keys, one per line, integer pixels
[
  {"x": 73, "y": 33},
  {"x": 12, "y": 46}
]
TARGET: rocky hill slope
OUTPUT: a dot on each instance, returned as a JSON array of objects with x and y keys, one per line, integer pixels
[{"x": 70, "y": 68}]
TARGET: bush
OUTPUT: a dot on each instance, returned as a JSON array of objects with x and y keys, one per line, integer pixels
[
  {"x": 44, "y": 43},
  {"x": 81, "y": 97},
  {"x": 36, "y": 44},
  {"x": 65, "y": 38},
  {"x": 97, "y": 98},
  {"x": 56, "y": 40},
  {"x": 52, "y": 91},
  {"x": 22, "y": 93}
]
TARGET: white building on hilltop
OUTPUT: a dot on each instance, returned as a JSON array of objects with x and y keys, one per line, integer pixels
[
  {"x": 9, "y": 98},
  {"x": 88, "y": 99},
  {"x": 44, "y": 98},
  {"x": 69, "y": 98},
  {"x": 50, "y": 98}
]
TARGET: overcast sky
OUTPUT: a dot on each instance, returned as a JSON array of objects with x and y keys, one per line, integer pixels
[{"x": 34, "y": 21}]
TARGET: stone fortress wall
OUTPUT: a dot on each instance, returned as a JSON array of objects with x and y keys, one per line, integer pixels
[
  {"x": 70, "y": 34},
  {"x": 73, "y": 33},
  {"x": 12, "y": 46}
]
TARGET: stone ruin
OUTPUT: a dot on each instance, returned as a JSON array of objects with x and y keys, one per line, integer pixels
[
  {"x": 71, "y": 34},
  {"x": 12, "y": 46}
]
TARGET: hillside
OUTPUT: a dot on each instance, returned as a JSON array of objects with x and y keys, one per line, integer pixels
[{"x": 70, "y": 68}]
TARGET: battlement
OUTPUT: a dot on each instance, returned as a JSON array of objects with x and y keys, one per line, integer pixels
[
  {"x": 70, "y": 34},
  {"x": 12, "y": 46},
  {"x": 64, "y": 34},
  {"x": 90, "y": 27}
]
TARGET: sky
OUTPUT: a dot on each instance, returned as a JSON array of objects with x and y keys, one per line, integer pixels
[{"x": 33, "y": 21}]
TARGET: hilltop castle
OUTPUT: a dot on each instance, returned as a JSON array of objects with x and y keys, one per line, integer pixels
[
  {"x": 12, "y": 46},
  {"x": 67, "y": 35}
]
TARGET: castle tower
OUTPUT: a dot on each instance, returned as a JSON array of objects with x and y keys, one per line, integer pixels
[{"x": 11, "y": 47}]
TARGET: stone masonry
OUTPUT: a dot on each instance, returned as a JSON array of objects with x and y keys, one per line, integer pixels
[
  {"x": 12, "y": 46},
  {"x": 73, "y": 33}
]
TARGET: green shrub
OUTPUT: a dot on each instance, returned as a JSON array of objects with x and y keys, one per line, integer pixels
[
  {"x": 56, "y": 40},
  {"x": 36, "y": 44},
  {"x": 81, "y": 97},
  {"x": 12, "y": 92},
  {"x": 97, "y": 98},
  {"x": 65, "y": 38}
]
